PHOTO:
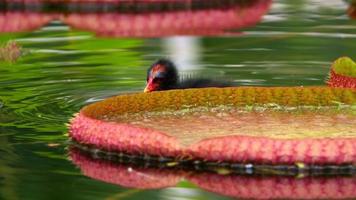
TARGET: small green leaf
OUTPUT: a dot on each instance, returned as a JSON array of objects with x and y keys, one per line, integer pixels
[{"x": 345, "y": 66}]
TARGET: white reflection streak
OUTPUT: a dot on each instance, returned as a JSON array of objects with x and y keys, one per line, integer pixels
[
  {"x": 184, "y": 51},
  {"x": 175, "y": 193},
  {"x": 317, "y": 4}
]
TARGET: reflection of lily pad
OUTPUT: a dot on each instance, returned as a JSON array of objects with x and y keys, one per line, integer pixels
[
  {"x": 254, "y": 124},
  {"x": 141, "y": 18},
  {"x": 351, "y": 11},
  {"x": 237, "y": 186},
  {"x": 343, "y": 73}
]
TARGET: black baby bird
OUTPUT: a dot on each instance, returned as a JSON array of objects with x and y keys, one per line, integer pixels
[{"x": 163, "y": 75}]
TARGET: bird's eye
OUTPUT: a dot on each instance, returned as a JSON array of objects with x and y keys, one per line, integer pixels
[
  {"x": 157, "y": 80},
  {"x": 160, "y": 75}
]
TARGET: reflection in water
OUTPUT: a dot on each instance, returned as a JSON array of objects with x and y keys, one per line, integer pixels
[
  {"x": 352, "y": 10},
  {"x": 144, "y": 19},
  {"x": 184, "y": 51},
  {"x": 140, "y": 19},
  {"x": 238, "y": 186},
  {"x": 23, "y": 21}
]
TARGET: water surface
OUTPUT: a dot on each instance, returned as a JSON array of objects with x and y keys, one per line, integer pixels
[{"x": 64, "y": 68}]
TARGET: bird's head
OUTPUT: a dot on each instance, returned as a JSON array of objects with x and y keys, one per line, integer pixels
[{"x": 162, "y": 75}]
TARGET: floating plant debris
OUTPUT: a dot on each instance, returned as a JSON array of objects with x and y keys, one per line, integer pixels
[{"x": 10, "y": 52}]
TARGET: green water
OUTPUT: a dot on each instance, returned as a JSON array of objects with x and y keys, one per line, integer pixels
[{"x": 64, "y": 69}]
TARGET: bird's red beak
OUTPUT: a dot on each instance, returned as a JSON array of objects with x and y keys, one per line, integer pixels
[{"x": 150, "y": 86}]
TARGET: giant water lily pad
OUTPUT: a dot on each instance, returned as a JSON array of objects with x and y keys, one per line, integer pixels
[{"x": 313, "y": 125}]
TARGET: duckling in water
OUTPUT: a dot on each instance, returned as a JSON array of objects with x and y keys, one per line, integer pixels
[{"x": 163, "y": 75}]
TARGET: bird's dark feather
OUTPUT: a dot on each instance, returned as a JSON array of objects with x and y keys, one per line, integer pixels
[
  {"x": 201, "y": 83},
  {"x": 172, "y": 80}
]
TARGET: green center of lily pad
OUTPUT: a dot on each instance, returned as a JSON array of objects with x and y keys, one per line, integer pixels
[{"x": 194, "y": 124}]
